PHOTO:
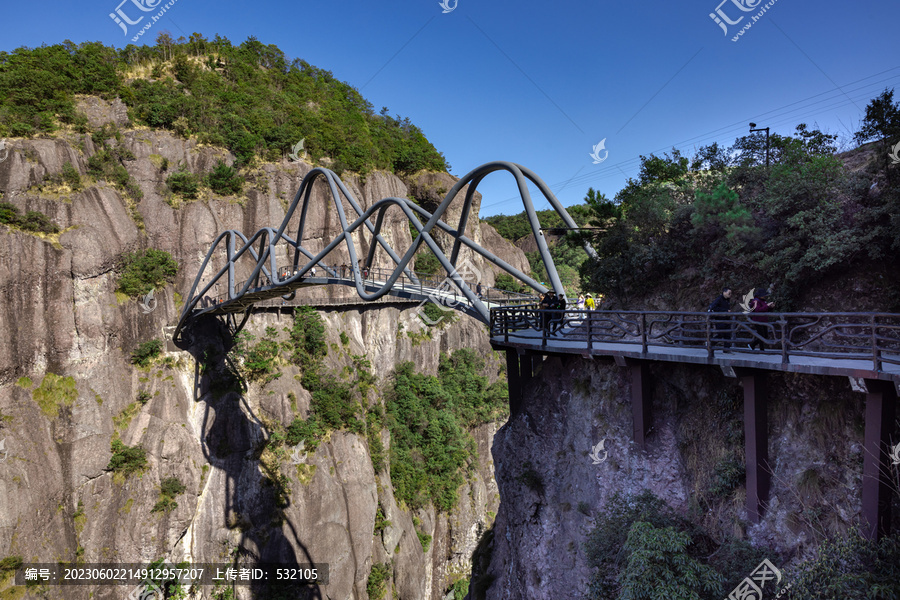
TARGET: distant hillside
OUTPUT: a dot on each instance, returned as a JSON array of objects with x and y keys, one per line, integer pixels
[{"x": 251, "y": 99}]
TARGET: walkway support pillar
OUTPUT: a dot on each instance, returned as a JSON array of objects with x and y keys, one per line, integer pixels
[
  {"x": 881, "y": 410},
  {"x": 756, "y": 443},
  {"x": 520, "y": 370},
  {"x": 641, "y": 400}
]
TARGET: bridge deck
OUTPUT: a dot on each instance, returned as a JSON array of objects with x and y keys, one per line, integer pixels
[
  {"x": 860, "y": 345},
  {"x": 858, "y": 365}
]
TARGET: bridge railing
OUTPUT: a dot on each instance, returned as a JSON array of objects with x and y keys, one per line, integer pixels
[
  {"x": 442, "y": 290},
  {"x": 874, "y": 336}
]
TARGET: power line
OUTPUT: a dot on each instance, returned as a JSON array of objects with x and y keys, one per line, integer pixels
[{"x": 838, "y": 98}]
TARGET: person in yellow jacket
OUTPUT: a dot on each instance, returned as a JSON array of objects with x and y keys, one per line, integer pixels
[{"x": 589, "y": 302}]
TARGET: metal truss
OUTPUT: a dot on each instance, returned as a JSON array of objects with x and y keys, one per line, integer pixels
[{"x": 263, "y": 247}]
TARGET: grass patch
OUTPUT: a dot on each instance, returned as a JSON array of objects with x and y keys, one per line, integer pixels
[
  {"x": 55, "y": 391},
  {"x": 376, "y": 584}
]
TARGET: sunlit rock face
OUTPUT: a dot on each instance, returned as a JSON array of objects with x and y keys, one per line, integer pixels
[{"x": 60, "y": 316}]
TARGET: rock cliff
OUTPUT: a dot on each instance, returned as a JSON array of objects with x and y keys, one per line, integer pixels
[
  {"x": 552, "y": 491},
  {"x": 68, "y": 386}
]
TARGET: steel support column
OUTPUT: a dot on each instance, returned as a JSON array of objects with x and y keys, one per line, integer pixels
[
  {"x": 641, "y": 401},
  {"x": 881, "y": 410},
  {"x": 756, "y": 444}
]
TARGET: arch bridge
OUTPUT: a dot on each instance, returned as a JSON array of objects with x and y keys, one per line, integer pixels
[{"x": 300, "y": 267}]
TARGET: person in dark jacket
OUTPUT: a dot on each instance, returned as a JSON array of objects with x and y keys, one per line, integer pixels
[
  {"x": 723, "y": 326},
  {"x": 559, "y": 318},
  {"x": 759, "y": 305},
  {"x": 546, "y": 301}
]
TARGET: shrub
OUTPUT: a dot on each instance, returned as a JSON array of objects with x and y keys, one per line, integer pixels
[
  {"x": 143, "y": 397},
  {"x": 71, "y": 176},
  {"x": 32, "y": 221},
  {"x": 376, "y": 584},
  {"x": 144, "y": 271},
  {"x": 126, "y": 460},
  {"x": 225, "y": 180},
  {"x": 184, "y": 183},
  {"x": 169, "y": 488},
  {"x": 307, "y": 336},
  {"x": 146, "y": 352},
  {"x": 658, "y": 566},
  {"x": 505, "y": 281}
]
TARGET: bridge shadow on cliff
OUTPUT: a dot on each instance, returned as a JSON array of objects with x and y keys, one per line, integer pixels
[{"x": 233, "y": 439}]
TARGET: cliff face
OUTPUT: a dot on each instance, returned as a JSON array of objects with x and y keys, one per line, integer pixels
[
  {"x": 67, "y": 387},
  {"x": 552, "y": 491}
]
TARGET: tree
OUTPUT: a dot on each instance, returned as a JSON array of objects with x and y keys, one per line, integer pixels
[{"x": 882, "y": 123}]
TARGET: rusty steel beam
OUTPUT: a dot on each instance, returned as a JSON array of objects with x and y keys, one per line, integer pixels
[
  {"x": 756, "y": 443},
  {"x": 881, "y": 410},
  {"x": 641, "y": 401}
]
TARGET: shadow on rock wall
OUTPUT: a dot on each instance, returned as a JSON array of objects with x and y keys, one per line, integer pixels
[{"x": 254, "y": 498}]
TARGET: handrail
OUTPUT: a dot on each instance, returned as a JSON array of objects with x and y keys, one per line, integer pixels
[{"x": 835, "y": 335}]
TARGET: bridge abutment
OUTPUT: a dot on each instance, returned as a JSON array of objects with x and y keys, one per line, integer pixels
[{"x": 756, "y": 442}]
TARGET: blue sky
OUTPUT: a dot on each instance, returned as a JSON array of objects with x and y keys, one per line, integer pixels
[{"x": 540, "y": 84}]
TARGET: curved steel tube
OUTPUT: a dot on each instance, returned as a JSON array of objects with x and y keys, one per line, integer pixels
[{"x": 269, "y": 238}]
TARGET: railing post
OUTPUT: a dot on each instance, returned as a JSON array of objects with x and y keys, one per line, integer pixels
[
  {"x": 709, "y": 346},
  {"x": 782, "y": 322},
  {"x": 590, "y": 334},
  {"x": 643, "y": 333},
  {"x": 876, "y": 351}
]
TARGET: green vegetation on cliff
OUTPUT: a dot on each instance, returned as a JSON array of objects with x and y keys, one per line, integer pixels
[
  {"x": 146, "y": 270},
  {"x": 428, "y": 417},
  {"x": 249, "y": 98}
]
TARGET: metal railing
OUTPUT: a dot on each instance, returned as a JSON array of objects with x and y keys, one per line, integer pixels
[
  {"x": 443, "y": 291},
  {"x": 871, "y": 336}
]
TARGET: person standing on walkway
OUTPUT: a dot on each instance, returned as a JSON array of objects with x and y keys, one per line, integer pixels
[
  {"x": 723, "y": 326},
  {"x": 545, "y": 306},
  {"x": 478, "y": 290},
  {"x": 580, "y": 303},
  {"x": 759, "y": 305},
  {"x": 589, "y": 302}
]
